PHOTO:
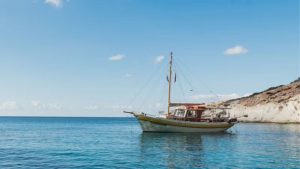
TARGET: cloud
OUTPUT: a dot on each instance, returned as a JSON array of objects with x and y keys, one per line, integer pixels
[
  {"x": 92, "y": 107},
  {"x": 158, "y": 105},
  {"x": 117, "y": 57},
  {"x": 54, "y": 3},
  {"x": 236, "y": 50},
  {"x": 50, "y": 106},
  {"x": 215, "y": 98},
  {"x": 54, "y": 106},
  {"x": 159, "y": 59},
  {"x": 35, "y": 103},
  {"x": 8, "y": 105},
  {"x": 122, "y": 107}
]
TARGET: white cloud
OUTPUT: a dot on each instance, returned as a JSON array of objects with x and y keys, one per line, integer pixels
[
  {"x": 236, "y": 50},
  {"x": 215, "y": 98},
  {"x": 50, "y": 106},
  {"x": 54, "y": 106},
  {"x": 159, "y": 59},
  {"x": 122, "y": 107},
  {"x": 54, "y": 3},
  {"x": 117, "y": 57},
  {"x": 92, "y": 107},
  {"x": 8, "y": 105},
  {"x": 35, "y": 103},
  {"x": 158, "y": 105}
]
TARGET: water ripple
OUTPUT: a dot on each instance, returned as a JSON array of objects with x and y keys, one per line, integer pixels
[{"x": 119, "y": 143}]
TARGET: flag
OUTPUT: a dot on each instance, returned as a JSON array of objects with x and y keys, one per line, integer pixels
[
  {"x": 167, "y": 78},
  {"x": 175, "y": 78}
]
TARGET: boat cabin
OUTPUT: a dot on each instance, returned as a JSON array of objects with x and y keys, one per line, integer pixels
[
  {"x": 187, "y": 112},
  {"x": 195, "y": 112}
]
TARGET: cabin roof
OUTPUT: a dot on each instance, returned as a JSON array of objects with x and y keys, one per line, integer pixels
[
  {"x": 187, "y": 104},
  {"x": 195, "y": 106}
]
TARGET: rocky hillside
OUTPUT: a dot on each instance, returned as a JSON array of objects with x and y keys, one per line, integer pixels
[{"x": 279, "y": 104}]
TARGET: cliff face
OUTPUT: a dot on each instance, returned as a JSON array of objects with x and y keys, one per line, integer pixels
[{"x": 279, "y": 104}]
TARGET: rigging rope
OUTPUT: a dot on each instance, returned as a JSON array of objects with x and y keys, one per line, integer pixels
[
  {"x": 147, "y": 82},
  {"x": 180, "y": 85},
  {"x": 205, "y": 85},
  {"x": 153, "y": 83},
  {"x": 178, "y": 67}
]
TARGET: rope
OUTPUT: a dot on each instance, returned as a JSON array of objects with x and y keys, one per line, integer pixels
[
  {"x": 205, "y": 85},
  {"x": 180, "y": 85},
  {"x": 149, "y": 79},
  {"x": 150, "y": 93}
]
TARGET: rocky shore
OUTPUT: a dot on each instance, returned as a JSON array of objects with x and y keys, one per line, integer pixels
[{"x": 279, "y": 104}]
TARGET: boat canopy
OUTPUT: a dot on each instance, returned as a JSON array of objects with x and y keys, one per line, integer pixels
[
  {"x": 197, "y": 106},
  {"x": 187, "y": 104},
  {"x": 190, "y": 106}
]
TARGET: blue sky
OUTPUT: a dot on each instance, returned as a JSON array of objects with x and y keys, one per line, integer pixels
[{"x": 91, "y": 58}]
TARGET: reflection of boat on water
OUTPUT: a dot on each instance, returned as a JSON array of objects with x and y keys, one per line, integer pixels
[
  {"x": 185, "y": 117},
  {"x": 179, "y": 141},
  {"x": 171, "y": 150},
  {"x": 180, "y": 150}
]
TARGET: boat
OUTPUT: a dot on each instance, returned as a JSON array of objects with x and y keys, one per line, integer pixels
[{"x": 185, "y": 117}]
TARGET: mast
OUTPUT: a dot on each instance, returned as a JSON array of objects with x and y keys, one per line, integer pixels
[{"x": 170, "y": 83}]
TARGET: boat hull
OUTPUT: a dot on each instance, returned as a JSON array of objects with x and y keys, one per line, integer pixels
[{"x": 156, "y": 124}]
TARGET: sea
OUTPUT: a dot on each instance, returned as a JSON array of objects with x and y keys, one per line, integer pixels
[{"x": 77, "y": 142}]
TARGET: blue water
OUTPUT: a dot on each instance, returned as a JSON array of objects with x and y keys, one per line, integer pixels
[{"x": 27, "y": 142}]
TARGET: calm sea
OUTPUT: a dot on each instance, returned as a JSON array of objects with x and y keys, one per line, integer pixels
[{"x": 32, "y": 142}]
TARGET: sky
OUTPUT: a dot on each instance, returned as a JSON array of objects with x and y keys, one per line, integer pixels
[{"x": 100, "y": 57}]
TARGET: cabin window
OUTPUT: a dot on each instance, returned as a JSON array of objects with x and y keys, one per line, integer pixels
[
  {"x": 179, "y": 112},
  {"x": 190, "y": 113}
]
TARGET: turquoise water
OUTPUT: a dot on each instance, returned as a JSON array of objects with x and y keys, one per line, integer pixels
[{"x": 27, "y": 142}]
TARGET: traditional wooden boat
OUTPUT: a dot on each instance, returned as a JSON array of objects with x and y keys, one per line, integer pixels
[{"x": 186, "y": 117}]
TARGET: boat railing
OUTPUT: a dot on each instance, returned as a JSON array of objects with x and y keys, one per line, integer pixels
[
  {"x": 200, "y": 119},
  {"x": 192, "y": 119}
]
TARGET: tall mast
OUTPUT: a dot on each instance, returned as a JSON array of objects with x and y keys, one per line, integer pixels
[{"x": 170, "y": 83}]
